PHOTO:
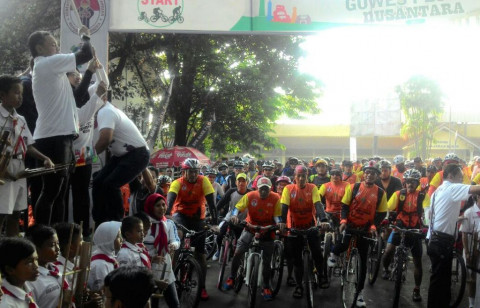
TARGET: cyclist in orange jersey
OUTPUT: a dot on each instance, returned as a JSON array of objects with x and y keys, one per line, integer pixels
[
  {"x": 332, "y": 193},
  {"x": 450, "y": 158},
  {"x": 348, "y": 174},
  {"x": 386, "y": 181},
  {"x": 303, "y": 209},
  {"x": 425, "y": 181},
  {"x": 399, "y": 162}
]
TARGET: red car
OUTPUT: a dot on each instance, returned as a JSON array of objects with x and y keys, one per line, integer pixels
[{"x": 280, "y": 14}]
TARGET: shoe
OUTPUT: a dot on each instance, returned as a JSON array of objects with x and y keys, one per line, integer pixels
[
  {"x": 360, "y": 301},
  {"x": 216, "y": 255},
  {"x": 332, "y": 262},
  {"x": 267, "y": 294},
  {"x": 416, "y": 297},
  {"x": 298, "y": 293},
  {"x": 204, "y": 295},
  {"x": 386, "y": 274},
  {"x": 228, "y": 285}
]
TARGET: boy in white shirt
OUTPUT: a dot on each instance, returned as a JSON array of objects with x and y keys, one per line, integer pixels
[{"x": 131, "y": 254}]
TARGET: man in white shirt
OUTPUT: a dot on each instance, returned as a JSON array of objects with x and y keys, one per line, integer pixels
[
  {"x": 445, "y": 209},
  {"x": 57, "y": 122},
  {"x": 130, "y": 156}
]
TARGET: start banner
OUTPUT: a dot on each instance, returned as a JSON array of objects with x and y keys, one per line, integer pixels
[{"x": 280, "y": 15}]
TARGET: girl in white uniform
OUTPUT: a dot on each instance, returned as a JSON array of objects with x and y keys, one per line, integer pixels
[
  {"x": 161, "y": 240},
  {"x": 107, "y": 241}
]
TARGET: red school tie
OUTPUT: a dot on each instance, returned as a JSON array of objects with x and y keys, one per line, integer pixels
[
  {"x": 143, "y": 257},
  {"x": 55, "y": 272},
  {"x": 105, "y": 258}
]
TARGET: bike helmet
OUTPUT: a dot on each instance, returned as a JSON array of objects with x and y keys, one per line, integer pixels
[
  {"x": 346, "y": 163},
  {"x": 397, "y": 160},
  {"x": 301, "y": 169},
  {"x": 223, "y": 166},
  {"x": 409, "y": 164},
  {"x": 371, "y": 165},
  {"x": 238, "y": 164},
  {"x": 190, "y": 163},
  {"x": 431, "y": 168},
  {"x": 293, "y": 160},
  {"x": 283, "y": 179},
  {"x": 377, "y": 158},
  {"x": 384, "y": 164},
  {"x": 164, "y": 179},
  {"x": 412, "y": 174},
  {"x": 210, "y": 171},
  {"x": 437, "y": 159},
  {"x": 336, "y": 171},
  {"x": 321, "y": 162},
  {"x": 268, "y": 164},
  {"x": 452, "y": 157}
]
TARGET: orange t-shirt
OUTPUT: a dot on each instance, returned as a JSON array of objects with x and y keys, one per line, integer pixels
[
  {"x": 363, "y": 206},
  {"x": 352, "y": 179},
  {"x": 190, "y": 199},
  {"x": 333, "y": 196},
  {"x": 423, "y": 183},
  {"x": 398, "y": 174},
  {"x": 301, "y": 205},
  {"x": 260, "y": 211}
]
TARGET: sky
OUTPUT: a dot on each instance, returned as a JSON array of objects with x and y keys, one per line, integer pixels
[{"x": 368, "y": 62}]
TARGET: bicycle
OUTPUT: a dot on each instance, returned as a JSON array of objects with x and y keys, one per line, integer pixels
[
  {"x": 143, "y": 16},
  {"x": 158, "y": 14},
  {"x": 177, "y": 16},
  {"x": 331, "y": 236},
  {"x": 188, "y": 272},
  {"x": 374, "y": 258},
  {"x": 459, "y": 278},
  {"x": 276, "y": 266},
  {"x": 227, "y": 249},
  {"x": 399, "y": 272},
  {"x": 210, "y": 243},
  {"x": 309, "y": 277},
  {"x": 251, "y": 264},
  {"x": 351, "y": 268}
]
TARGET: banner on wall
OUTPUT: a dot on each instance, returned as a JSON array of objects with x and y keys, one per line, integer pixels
[
  {"x": 279, "y": 15},
  {"x": 95, "y": 15}
]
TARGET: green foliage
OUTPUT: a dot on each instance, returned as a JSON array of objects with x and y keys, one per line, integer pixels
[{"x": 421, "y": 100}]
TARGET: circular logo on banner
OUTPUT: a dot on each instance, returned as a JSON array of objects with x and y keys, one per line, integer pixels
[
  {"x": 92, "y": 14},
  {"x": 160, "y": 13}
]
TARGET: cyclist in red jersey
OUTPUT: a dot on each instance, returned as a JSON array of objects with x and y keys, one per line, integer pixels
[
  {"x": 425, "y": 181},
  {"x": 348, "y": 174},
  {"x": 303, "y": 209},
  {"x": 359, "y": 207},
  {"x": 186, "y": 205}
]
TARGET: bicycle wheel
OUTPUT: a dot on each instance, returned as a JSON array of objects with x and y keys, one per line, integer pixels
[
  {"x": 327, "y": 271},
  {"x": 253, "y": 279},
  {"x": 398, "y": 274},
  {"x": 351, "y": 276},
  {"x": 374, "y": 260},
  {"x": 188, "y": 275},
  {"x": 308, "y": 278},
  {"x": 153, "y": 18},
  {"x": 459, "y": 276},
  {"x": 277, "y": 267},
  {"x": 239, "y": 276},
  {"x": 224, "y": 257},
  {"x": 210, "y": 244}
]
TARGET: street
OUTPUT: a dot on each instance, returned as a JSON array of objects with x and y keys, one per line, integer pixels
[{"x": 380, "y": 295}]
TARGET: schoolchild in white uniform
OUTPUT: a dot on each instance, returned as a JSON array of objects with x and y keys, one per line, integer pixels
[
  {"x": 63, "y": 234},
  {"x": 470, "y": 226},
  {"x": 131, "y": 253},
  {"x": 48, "y": 286},
  {"x": 14, "y": 192},
  {"x": 17, "y": 266},
  {"x": 107, "y": 240},
  {"x": 161, "y": 240}
]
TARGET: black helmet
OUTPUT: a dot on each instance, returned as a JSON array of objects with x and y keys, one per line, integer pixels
[
  {"x": 222, "y": 166},
  {"x": 384, "y": 164},
  {"x": 210, "y": 171},
  {"x": 164, "y": 179},
  {"x": 412, "y": 174},
  {"x": 293, "y": 160}
]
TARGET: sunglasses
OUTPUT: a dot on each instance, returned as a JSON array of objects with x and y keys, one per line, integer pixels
[{"x": 267, "y": 169}]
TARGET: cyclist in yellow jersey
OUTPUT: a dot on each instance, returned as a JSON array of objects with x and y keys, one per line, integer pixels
[{"x": 450, "y": 158}]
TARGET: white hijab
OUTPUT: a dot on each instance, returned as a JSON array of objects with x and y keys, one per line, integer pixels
[{"x": 104, "y": 238}]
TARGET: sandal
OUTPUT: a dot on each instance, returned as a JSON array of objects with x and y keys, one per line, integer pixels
[
  {"x": 298, "y": 293},
  {"x": 291, "y": 282}
]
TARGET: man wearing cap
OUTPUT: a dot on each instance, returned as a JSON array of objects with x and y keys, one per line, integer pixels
[
  {"x": 264, "y": 209},
  {"x": 359, "y": 207},
  {"x": 222, "y": 174},
  {"x": 348, "y": 175},
  {"x": 238, "y": 167},
  {"x": 225, "y": 207},
  {"x": 303, "y": 209},
  {"x": 322, "y": 176},
  {"x": 418, "y": 165},
  {"x": 290, "y": 168},
  {"x": 267, "y": 171}
]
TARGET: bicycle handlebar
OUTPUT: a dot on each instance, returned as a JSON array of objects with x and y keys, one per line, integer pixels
[
  {"x": 303, "y": 231},
  {"x": 404, "y": 230}
]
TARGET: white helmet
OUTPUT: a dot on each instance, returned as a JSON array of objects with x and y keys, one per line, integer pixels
[{"x": 398, "y": 159}]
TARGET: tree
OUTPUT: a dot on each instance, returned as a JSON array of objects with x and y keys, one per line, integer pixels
[
  {"x": 421, "y": 100},
  {"x": 244, "y": 82}
]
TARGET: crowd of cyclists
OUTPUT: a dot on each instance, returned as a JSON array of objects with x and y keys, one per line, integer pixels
[{"x": 350, "y": 196}]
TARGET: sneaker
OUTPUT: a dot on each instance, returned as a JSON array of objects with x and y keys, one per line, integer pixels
[
  {"x": 361, "y": 301},
  {"x": 332, "y": 262},
  {"x": 267, "y": 294},
  {"x": 216, "y": 255},
  {"x": 228, "y": 285},
  {"x": 204, "y": 295},
  {"x": 386, "y": 274},
  {"x": 416, "y": 297}
]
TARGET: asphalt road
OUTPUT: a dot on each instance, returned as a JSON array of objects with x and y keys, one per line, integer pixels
[{"x": 380, "y": 295}]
